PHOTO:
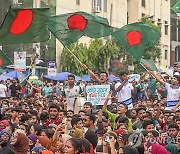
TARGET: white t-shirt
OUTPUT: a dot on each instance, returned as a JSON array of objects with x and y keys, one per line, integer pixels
[
  {"x": 3, "y": 88},
  {"x": 124, "y": 95},
  {"x": 173, "y": 96},
  {"x": 71, "y": 95}
]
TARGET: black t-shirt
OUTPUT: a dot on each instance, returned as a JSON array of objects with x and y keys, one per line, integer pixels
[{"x": 14, "y": 89}]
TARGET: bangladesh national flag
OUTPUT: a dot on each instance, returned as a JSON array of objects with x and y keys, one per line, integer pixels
[
  {"x": 25, "y": 26},
  {"x": 4, "y": 60},
  {"x": 176, "y": 8},
  {"x": 68, "y": 28},
  {"x": 136, "y": 37},
  {"x": 24, "y": 83},
  {"x": 148, "y": 64}
]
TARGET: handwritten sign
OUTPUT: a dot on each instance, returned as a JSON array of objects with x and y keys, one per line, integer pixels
[{"x": 96, "y": 94}]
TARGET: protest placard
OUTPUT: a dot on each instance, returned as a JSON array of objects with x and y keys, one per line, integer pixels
[{"x": 96, "y": 94}]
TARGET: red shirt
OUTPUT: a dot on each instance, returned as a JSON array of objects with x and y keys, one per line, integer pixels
[{"x": 57, "y": 121}]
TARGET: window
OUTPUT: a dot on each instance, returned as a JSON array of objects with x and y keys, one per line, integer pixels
[
  {"x": 143, "y": 3},
  {"x": 96, "y": 3},
  {"x": 166, "y": 28},
  {"x": 105, "y": 6},
  {"x": 165, "y": 54},
  {"x": 78, "y": 2}
]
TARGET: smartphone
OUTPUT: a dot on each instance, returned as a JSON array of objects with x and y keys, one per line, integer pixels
[{"x": 108, "y": 138}]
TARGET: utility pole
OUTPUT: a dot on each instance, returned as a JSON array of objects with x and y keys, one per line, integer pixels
[{"x": 36, "y": 46}]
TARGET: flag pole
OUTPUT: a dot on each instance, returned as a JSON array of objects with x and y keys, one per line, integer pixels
[
  {"x": 73, "y": 55},
  {"x": 147, "y": 70}
]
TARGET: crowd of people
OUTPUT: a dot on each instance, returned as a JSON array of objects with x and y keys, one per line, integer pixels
[{"x": 143, "y": 117}]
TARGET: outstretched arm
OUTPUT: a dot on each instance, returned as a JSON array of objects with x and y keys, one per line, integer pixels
[
  {"x": 91, "y": 73},
  {"x": 158, "y": 78}
]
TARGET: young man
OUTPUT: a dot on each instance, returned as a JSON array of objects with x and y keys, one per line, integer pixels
[
  {"x": 71, "y": 92},
  {"x": 125, "y": 90},
  {"x": 54, "y": 115},
  {"x": 121, "y": 112},
  {"x": 173, "y": 91}
]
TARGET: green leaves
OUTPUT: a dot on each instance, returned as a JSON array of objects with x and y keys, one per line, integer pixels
[{"x": 96, "y": 56}]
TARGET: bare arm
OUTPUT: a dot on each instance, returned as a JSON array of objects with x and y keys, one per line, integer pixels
[
  {"x": 91, "y": 73},
  {"x": 158, "y": 78},
  {"x": 109, "y": 96},
  {"x": 121, "y": 86}
]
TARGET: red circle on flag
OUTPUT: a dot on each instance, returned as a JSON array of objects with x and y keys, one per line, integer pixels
[
  {"x": 134, "y": 38},
  {"x": 77, "y": 21},
  {"x": 147, "y": 65},
  {"x": 22, "y": 22},
  {"x": 1, "y": 62}
]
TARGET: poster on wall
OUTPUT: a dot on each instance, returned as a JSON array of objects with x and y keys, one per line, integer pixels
[{"x": 20, "y": 61}]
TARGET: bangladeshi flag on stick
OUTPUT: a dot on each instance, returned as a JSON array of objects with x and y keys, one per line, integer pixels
[
  {"x": 25, "y": 26},
  {"x": 68, "y": 28},
  {"x": 148, "y": 64},
  {"x": 4, "y": 60},
  {"x": 136, "y": 37},
  {"x": 24, "y": 83}
]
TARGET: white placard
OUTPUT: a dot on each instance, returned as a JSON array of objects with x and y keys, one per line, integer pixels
[{"x": 96, "y": 94}]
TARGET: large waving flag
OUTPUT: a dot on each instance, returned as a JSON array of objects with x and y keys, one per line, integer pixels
[
  {"x": 136, "y": 37},
  {"x": 176, "y": 8},
  {"x": 148, "y": 64},
  {"x": 25, "y": 26},
  {"x": 4, "y": 60},
  {"x": 68, "y": 28}
]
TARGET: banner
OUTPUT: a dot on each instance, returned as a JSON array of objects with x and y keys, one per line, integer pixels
[
  {"x": 20, "y": 61},
  {"x": 96, "y": 94},
  {"x": 52, "y": 68}
]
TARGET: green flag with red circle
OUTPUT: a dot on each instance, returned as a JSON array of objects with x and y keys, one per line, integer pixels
[
  {"x": 148, "y": 64},
  {"x": 68, "y": 28},
  {"x": 136, "y": 37},
  {"x": 25, "y": 26},
  {"x": 4, "y": 60}
]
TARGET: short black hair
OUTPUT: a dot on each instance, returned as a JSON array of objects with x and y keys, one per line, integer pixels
[
  {"x": 70, "y": 111},
  {"x": 173, "y": 125},
  {"x": 105, "y": 73},
  {"x": 44, "y": 116},
  {"x": 140, "y": 108},
  {"x": 64, "y": 112},
  {"x": 122, "y": 73},
  {"x": 75, "y": 120},
  {"x": 33, "y": 112},
  {"x": 177, "y": 77},
  {"x": 92, "y": 117},
  {"x": 88, "y": 104},
  {"x": 53, "y": 105},
  {"x": 146, "y": 123},
  {"x": 71, "y": 75},
  {"x": 125, "y": 105},
  {"x": 121, "y": 119}
]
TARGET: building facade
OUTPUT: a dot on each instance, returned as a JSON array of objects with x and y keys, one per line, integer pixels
[
  {"x": 175, "y": 36},
  {"x": 122, "y": 12},
  {"x": 159, "y": 13}
]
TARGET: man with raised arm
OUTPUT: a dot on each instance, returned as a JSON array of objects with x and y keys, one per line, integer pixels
[{"x": 173, "y": 90}]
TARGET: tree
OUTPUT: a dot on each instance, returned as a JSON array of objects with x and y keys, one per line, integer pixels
[{"x": 96, "y": 56}]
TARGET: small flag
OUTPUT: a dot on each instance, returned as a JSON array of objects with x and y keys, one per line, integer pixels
[
  {"x": 4, "y": 60},
  {"x": 148, "y": 64},
  {"x": 176, "y": 8},
  {"x": 24, "y": 83}
]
